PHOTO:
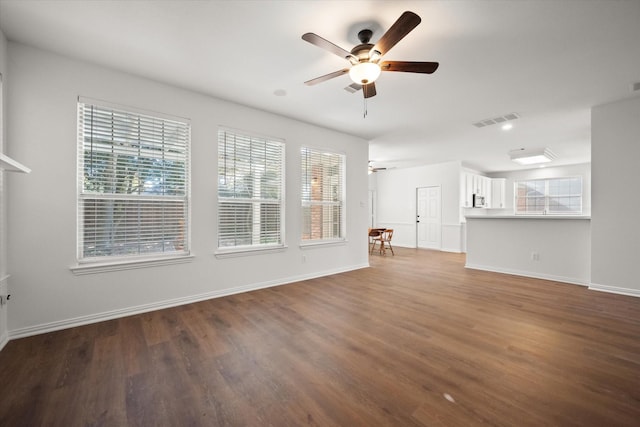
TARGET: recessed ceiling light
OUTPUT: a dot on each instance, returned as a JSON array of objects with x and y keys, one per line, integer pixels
[{"x": 507, "y": 126}]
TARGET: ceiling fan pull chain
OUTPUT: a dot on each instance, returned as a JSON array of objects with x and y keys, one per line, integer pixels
[{"x": 365, "y": 109}]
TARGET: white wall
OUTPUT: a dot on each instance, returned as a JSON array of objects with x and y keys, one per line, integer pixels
[
  {"x": 562, "y": 247},
  {"x": 583, "y": 170},
  {"x": 615, "y": 147},
  {"x": 3, "y": 216},
  {"x": 396, "y": 202},
  {"x": 42, "y": 210}
]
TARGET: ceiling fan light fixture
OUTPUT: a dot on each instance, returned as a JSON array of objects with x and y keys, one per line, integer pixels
[{"x": 364, "y": 73}]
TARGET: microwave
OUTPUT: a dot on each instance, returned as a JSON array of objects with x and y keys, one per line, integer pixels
[{"x": 478, "y": 201}]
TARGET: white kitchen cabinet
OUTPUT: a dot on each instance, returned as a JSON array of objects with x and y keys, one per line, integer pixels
[
  {"x": 466, "y": 190},
  {"x": 498, "y": 186},
  {"x": 463, "y": 190},
  {"x": 471, "y": 184}
]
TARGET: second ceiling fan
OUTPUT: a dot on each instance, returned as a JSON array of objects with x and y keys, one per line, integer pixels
[{"x": 366, "y": 57}]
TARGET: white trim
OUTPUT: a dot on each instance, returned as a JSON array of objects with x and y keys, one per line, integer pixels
[
  {"x": 4, "y": 288},
  {"x": 4, "y": 339},
  {"x": 563, "y": 279},
  {"x": 615, "y": 290},
  {"x": 99, "y": 317},
  {"x": 103, "y": 267},
  {"x": 248, "y": 251},
  {"x": 312, "y": 244},
  {"x": 9, "y": 165}
]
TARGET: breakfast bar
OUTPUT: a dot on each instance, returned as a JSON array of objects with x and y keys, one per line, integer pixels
[{"x": 549, "y": 247}]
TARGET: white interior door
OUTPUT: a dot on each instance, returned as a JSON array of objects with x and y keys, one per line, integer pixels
[{"x": 429, "y": 218}]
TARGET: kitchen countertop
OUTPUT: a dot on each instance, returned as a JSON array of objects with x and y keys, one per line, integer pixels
[{"x": 587, "y": 217}]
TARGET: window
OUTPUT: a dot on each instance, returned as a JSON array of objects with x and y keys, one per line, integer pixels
[
  {"x": 250, "y": 191},
  {"x": 322, "y": 195},
  {"x": 133, "y": 184},
  {"x": 554, "y": 196}
]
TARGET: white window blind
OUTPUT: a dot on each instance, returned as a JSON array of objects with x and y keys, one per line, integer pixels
[
  {"x": 554, "y": 196},
  {"x": 250, "y": 191},
  {"x": 133, "y": 184},
  {"x": 322, "y": 195}
]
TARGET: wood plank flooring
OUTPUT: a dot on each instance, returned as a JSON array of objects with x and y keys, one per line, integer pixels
[{"x": 415, "y": 340}]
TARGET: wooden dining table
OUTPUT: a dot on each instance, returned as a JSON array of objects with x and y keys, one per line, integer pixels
[{"x": 373, "y": 233}]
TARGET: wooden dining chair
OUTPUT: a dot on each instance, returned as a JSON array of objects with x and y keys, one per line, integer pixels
[
  {"x": 385, "y": 240},
  {"x": 374, "y": 235}
]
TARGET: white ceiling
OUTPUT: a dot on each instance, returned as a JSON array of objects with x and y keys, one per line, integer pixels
[{"x": 548, "y": 61}]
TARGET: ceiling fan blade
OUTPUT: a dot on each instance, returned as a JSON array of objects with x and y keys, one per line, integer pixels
[
  {"x": 409, "y": 66},
  {"x": 403, "y": 26},
  {"x": 326, "y": 77},
  {"x": 327, "y": 45},
  {"x": 369, "y": 90}
]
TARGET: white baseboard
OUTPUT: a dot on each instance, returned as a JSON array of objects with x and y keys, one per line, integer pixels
[
  {"x": 615, "y": 290},
  {"x": 4, "y": 339},
  {"x": 535, "y": 275},
  {"x": 4, "y": 291},
  {"x": 592, "y": 286},
  {"x": 452, "y": 250},
  {"x": 124, "y": 312}
]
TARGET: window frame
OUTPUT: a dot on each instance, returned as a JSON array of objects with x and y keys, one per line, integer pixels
[
  {"x": 546, "y": 197},
  {"x": 94, "y": 264},
  {"x": 254, "y": 204},
  {"x": 306, "y": 180}
]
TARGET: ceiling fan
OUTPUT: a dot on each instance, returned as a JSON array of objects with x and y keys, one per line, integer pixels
[
  {"x": 365, "y": 57},
  {"x": 372, "y": 169}
]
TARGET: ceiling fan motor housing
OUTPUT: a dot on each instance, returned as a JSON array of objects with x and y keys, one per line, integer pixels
[
  {"x": 363, "y": 50},
  {"x": 365, "y": 35}
]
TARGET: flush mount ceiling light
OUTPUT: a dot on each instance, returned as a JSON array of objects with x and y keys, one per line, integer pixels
[{"x": 523, "y": 156}]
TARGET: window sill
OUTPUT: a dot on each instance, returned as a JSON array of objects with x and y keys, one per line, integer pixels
[
  {"x": 104, "y": 267},
  {"x": 322, "y": 243},
  {"x": 237, "y": 252}
]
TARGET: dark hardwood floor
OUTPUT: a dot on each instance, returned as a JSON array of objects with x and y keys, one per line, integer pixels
[{"x": 415, "y": 340}]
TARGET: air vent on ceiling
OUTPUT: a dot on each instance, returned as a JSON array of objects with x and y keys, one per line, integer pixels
[{"x": 496, "y": 120}]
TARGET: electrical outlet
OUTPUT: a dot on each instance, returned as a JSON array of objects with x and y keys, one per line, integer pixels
[
  {"x": 535, "y": 256},
  {"x": 304, "y": 259}
]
